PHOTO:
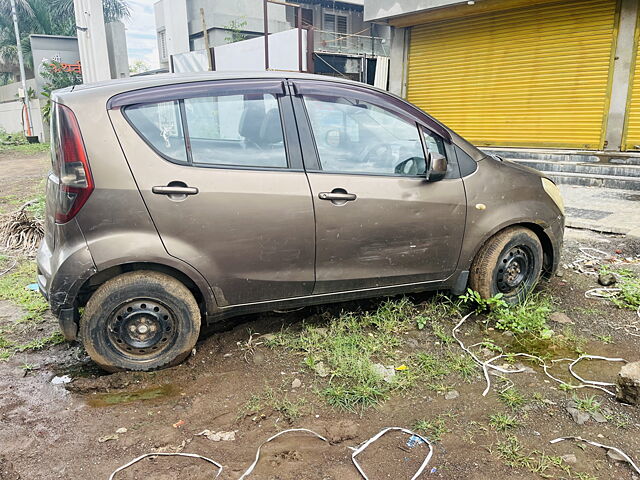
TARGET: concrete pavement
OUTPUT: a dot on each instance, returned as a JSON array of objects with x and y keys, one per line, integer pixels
[{"x": 602, "y": 209}]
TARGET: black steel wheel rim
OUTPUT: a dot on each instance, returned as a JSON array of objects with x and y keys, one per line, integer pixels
[
  {"x": 515, "y": 269},
  {"x": 142, "y": 327}
]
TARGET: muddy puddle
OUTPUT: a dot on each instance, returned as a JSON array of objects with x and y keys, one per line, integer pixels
[{"x": 125, "y": 398}]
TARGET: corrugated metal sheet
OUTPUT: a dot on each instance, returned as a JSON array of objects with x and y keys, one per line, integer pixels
[
  {"x": 631, "y": 140},
  {"x": 527, "y": 77}
]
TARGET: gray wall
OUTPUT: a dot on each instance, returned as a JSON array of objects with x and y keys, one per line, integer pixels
[{"x": 117, "y": 45}]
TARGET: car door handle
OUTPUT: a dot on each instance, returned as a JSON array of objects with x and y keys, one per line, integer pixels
[
  {"x": 337, "y": 196},
  {"x": 174, "y": 190}
]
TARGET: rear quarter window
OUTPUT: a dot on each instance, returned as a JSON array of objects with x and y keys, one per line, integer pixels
[{"x": 161, "y": 126}]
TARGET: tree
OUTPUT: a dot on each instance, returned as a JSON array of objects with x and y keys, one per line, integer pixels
[
  {"x": 56, "y": 77},
  {"x": 235, "y": 27},
  {"x": 113, "y": 9},
  {"x": 138, "y": 66}
]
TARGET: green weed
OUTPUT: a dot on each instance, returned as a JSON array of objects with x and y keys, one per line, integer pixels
[
  {"x": 474, "y": 299},
  {"x": 276, "y": 401},
  {"x": 12, "y": 287},
  {"x": 527, "y": 317},
  {"x": 503, "y": 422},
  {"x": 349, "y": 346},
  {"x": 434, "y": 429},
  {"x": 587, "y": 403},
  {"x": 512, "y": 398}
]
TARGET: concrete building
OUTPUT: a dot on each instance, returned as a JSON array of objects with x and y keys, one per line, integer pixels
[
  {"x": 343, "y": 43},
  {"x": 520, "y": 73}
]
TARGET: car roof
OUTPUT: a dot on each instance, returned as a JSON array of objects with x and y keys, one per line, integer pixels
[{"x": 145, "y": 81}]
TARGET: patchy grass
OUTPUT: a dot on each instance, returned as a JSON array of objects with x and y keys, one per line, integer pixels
[
  {"x": 25, "y": 148},
  {"x": 587, "y": 403},
  {"x": 503, "y": 422},
  {"x": 346, "y": 348},
  {"x": 629, "y": 285},
  {"x": 512, "y": 398},
  {"x": 276, "y": 401},
  {"x": 436, "y": 428},
  {"x": 529, "y": 317},
  {"x": 13, "y": 288},
  {"x": 514, "y": 455}
]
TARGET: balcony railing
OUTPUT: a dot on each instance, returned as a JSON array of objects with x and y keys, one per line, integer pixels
[{"x": 332, "y": 42}]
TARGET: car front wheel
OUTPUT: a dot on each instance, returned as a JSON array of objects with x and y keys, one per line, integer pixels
[
  {"x": 509, "y": 263},
  {"x": 142, "y": 320}
]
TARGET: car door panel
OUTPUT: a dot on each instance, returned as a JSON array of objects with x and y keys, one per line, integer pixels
[
  {"x": 399, "y": 229},
  {"x": 237, "y": 229}
]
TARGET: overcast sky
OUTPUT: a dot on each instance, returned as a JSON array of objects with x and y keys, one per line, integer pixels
[{"x": 141, "y": 33}]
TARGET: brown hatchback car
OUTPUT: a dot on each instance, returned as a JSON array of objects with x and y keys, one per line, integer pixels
[{"x": 176, "y": 201}]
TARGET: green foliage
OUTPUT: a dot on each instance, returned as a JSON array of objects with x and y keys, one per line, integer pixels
[
  {"x": 512, "y": 398},
  {"x": 55, "y": 78},
  {"x": 587, "y": 403},
  {"x": 275, "y": 400},
  {"x": 235, "y": 28},
  {"x": 348, "y": 347},
  {"x": 475, "y": 300},
  {"x": 528, "y": 317},
  {"x": 138, "y": 66},
  {"x": 503, "y": 422},
  {"x": 12, "y": 139},
  {"x": 12, "y": 287},
  {"x": 434, "y": 429}
]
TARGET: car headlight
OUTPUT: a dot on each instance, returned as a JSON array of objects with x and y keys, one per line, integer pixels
[{"x": 554, "y": 192}]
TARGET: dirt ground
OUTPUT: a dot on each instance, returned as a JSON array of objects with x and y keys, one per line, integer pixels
[{"x": 69, "y": 431}]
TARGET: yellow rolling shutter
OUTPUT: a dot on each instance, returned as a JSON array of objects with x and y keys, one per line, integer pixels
[
  {"x": 632, "y": 125},
  {"x": 535, "y": 76}
]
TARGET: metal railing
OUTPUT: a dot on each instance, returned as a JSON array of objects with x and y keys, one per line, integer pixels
[{"x": 332, "y": 42}]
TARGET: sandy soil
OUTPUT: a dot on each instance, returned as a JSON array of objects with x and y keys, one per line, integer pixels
[{"x": 50, "y": 431}]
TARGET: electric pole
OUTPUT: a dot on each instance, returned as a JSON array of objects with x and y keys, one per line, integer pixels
[{"x": 23, "y": 80}]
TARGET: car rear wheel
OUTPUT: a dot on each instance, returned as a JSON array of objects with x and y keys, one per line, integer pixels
[
  {"x": 510, "y": 263},
  {"x": 141, "y": 320}
]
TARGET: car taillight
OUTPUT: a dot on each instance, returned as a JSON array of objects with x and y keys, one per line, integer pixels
[{"x": 70, "y": 164}]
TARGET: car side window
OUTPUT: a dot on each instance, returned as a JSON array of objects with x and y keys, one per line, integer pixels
[
  {"x": 226, "y": 130},
  {"x": 161, "y": 126},
  {"x": 354, "y": 136},
  {"x": 242, "y": 130}
]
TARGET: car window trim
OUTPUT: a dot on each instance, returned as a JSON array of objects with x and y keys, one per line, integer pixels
[
  {"x": 379, "y": 98},
  {"x": 180, "y": 91}
]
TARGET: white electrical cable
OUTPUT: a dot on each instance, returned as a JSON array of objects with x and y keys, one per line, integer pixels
[
  {"x": 363, "y": 446},
  {"x": 189, "y": 455},
  {"x": 255, "y": 462},
  {"x": 596, "y": 444}
]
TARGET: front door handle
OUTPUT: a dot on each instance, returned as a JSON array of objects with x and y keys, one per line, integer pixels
[
  {"x": 174, "y": 190},
  {"x": 337, "y": 196}
]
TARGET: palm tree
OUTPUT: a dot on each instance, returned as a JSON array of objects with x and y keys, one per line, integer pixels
[
  {"x": 113, "y": 9},
  {"x": 49, "y": 17}
]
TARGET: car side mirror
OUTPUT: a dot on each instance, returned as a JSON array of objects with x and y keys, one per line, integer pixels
[{"x": 437, "y": 167}]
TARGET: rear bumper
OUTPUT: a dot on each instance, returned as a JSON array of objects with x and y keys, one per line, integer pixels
[{"x": 61, "y": 273}]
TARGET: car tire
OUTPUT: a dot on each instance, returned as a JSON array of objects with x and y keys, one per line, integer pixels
[
  {"x": 142, "y": 320},
  {"x": 510, "y": 263}
]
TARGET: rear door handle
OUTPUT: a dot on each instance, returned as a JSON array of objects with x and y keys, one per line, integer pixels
[
  {"x": 337, "y": 196},
  {"x": 171, "y": 190}
]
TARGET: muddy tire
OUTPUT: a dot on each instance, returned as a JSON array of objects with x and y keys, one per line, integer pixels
[
  {"x": 141, "y": 320},
  {"x": 510, "y": 263}
]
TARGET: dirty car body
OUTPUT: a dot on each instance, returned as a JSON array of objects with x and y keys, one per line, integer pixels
[{"x": 247, "y": 193}]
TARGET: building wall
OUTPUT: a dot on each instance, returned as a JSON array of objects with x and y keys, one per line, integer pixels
[
  {"x": 11, "y": 110},
  {"x": 619, "y": 109}
]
